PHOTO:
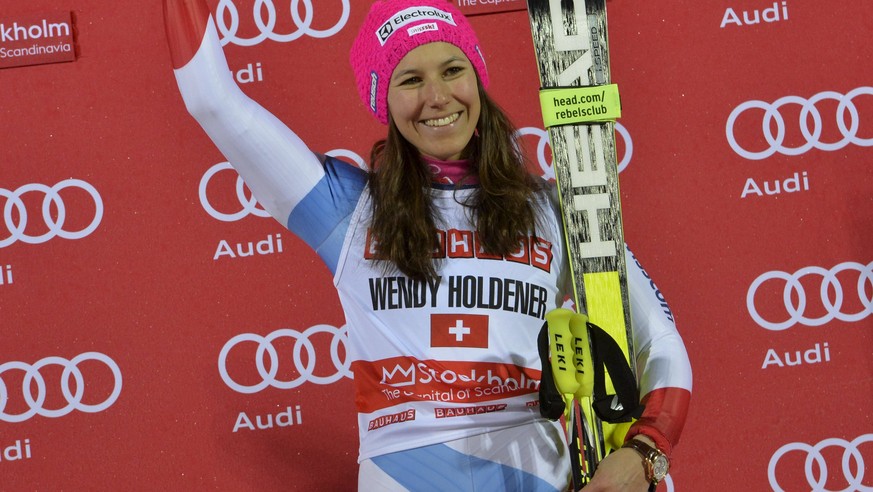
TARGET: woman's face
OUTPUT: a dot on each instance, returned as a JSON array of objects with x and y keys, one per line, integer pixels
[{"x": 433, "y": 98}]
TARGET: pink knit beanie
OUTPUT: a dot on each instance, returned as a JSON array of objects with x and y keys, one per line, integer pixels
[{"x": 392, "y": 29}]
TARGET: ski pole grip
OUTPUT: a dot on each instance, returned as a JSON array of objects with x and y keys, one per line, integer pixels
[
  {"x": 582, "y": 361},
  {"x": 561, "y": 345},
  {"x": 580, "y": 105}
]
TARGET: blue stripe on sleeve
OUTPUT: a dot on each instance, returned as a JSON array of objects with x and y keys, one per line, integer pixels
[{"x": 322, "y": 218}]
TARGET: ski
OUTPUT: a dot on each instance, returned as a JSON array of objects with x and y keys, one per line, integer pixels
[{"x": 579, "y": 108}]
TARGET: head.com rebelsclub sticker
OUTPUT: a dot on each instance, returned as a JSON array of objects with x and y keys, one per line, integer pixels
[{"x": 36, "y": 39}]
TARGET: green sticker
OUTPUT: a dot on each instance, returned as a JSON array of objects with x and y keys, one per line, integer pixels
[{"x": 574, "y": 105}]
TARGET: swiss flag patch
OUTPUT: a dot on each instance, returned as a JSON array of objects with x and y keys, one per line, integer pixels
[{"x": 459, "y": 330}]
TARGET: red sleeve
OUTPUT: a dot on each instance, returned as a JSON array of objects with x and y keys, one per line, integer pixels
[
  {"x": 185, "y": 22},
  {"x": 664, "y": 417}
]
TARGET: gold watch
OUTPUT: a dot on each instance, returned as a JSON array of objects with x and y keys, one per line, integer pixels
[{"x": 654, "y": 461}]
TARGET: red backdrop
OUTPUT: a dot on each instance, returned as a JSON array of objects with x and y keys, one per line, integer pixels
[{"x": 139, "y": 288}]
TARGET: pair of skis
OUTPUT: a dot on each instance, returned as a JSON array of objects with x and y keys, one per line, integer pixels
[{"x": 579, "y": 108}]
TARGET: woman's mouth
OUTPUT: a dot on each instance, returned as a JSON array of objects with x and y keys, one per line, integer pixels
[{"x": 445, "y": 121}]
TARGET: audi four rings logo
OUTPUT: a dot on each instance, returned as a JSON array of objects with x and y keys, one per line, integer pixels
[
  {"x": 227, "y": 10},
  {"x": 543, "y": 141},
  {"x": 249, "y": 205},
  {"x": 794, "y": 295},
  {"x": 303, "y": 356},
  {"x": 74, "y": 399},
  {"x": 852, "y": 463},
  {"x": 52, "y": 197},
  {"x": 808, "y": 111}
]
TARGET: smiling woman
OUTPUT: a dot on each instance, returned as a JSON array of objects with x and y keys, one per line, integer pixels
[
  {"x": 433, "y": 99},
  {"x": 419, "y": 68},
  {"x": 446, "y": 256}
]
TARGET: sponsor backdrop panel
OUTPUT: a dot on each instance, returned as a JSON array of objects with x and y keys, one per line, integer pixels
[{"x": 157, "y": 330}]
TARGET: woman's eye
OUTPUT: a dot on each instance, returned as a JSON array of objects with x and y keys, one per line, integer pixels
[
  {"x": 454, "y": 70},
  {"x": 410, "y": 81}
]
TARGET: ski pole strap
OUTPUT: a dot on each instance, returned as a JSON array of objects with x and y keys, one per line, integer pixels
[
  {"x": 624, "y": 405},
  {"x": 574, "y": 105},
  {"x": 560, "y": 360}
]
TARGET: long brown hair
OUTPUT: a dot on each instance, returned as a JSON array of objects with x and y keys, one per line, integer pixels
[{"x": 403, "y": 214}]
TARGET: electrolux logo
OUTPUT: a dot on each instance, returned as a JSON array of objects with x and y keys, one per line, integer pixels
[
  {"x": 409, "y": 16},
  {"x": 36, "y": 39},
  {"x": 417, "y": 13},
  {"x": 385, "y": 31}
]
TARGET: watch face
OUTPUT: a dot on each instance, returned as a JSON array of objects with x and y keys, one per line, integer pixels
[{"x": 659, "y": 468}]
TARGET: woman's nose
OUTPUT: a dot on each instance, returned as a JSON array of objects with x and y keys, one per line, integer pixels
[{"x": 437, "y": 93}]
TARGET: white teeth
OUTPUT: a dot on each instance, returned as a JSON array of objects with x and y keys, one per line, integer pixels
[{"x": 448, "y": 120}]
